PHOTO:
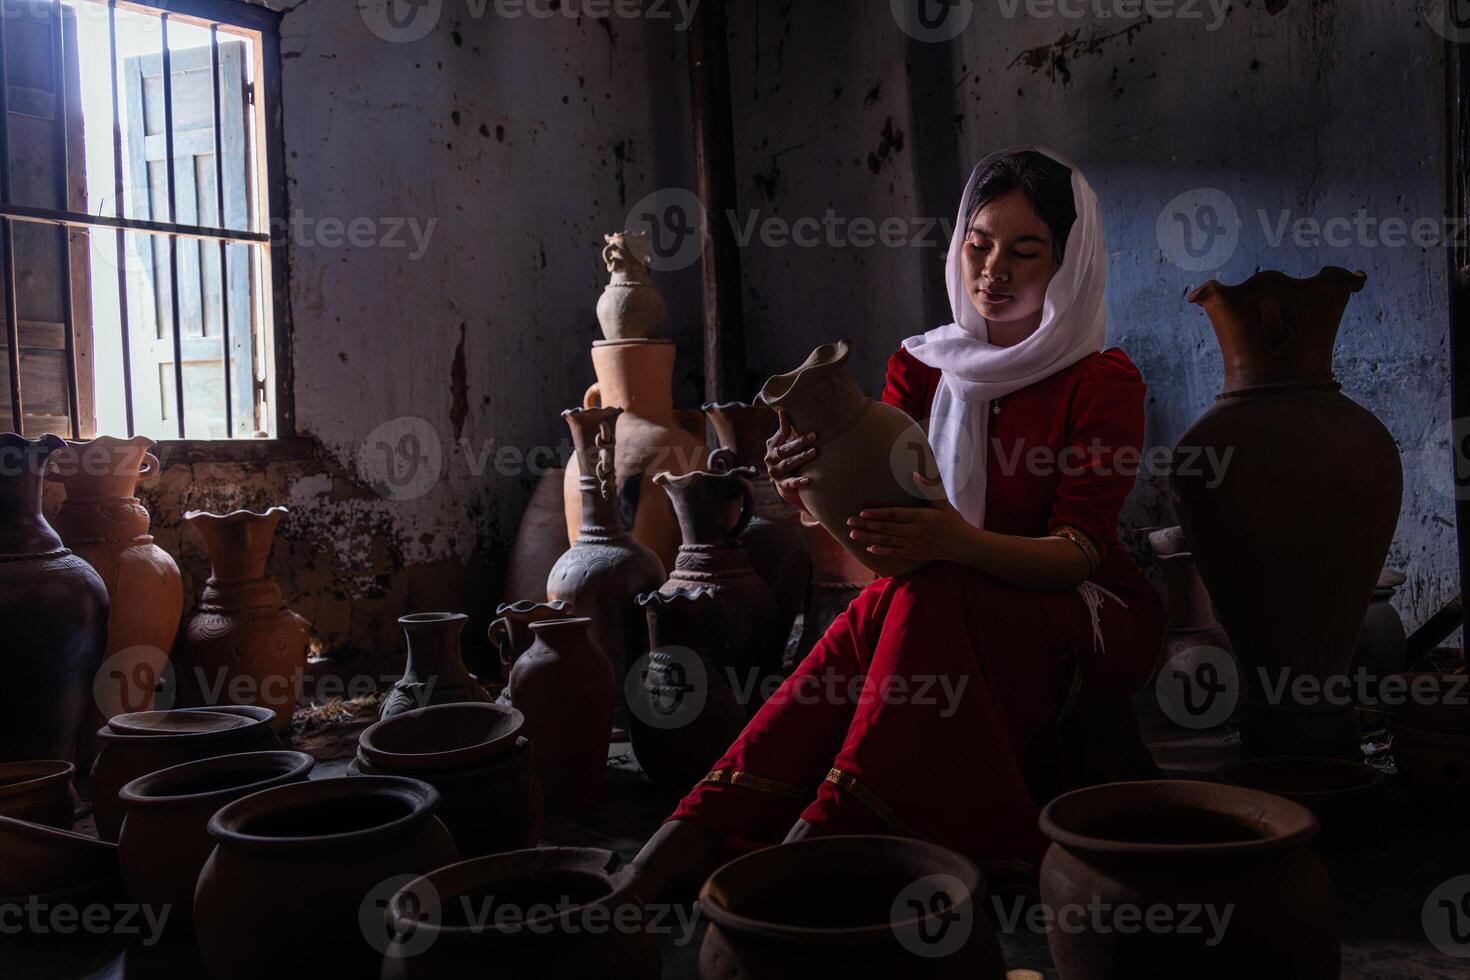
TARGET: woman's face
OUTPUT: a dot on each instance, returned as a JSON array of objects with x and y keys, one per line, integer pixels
[{"x": 1007, "y": 262}]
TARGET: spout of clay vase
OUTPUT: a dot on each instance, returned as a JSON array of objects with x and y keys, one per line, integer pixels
[
  {"x": 780, "y": 388},
  {"x": 239, "y": 543}
]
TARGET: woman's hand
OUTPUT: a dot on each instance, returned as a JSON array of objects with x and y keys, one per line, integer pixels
[
  {"x": 934, "y": 533},
  {"x": 786, "y": 452}
]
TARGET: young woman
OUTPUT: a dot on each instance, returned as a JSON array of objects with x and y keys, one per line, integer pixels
[{"x": 914, "y": 713}]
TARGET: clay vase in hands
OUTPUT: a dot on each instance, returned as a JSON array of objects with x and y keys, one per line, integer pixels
[
  {"x": 511, "y": 634},
  {"x": 1191, "y": 617},
  {"x": 1287, "y": 489},
  {"x": 435, "y": 672},
  {"x": 103, "y": 521},
  {"x": 867, "y": 452},
  {"x": 54, "y": 606},
  {"x": 631, "y": 307},
  {"x": 241, "y": 645},
  {"x": 606, "y": 569}
]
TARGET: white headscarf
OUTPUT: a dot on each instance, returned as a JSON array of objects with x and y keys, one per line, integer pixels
[{"x": 1074, "y": 324}]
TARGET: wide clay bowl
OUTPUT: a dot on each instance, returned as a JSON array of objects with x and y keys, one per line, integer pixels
[
  {"x": 1431, "y": 702},
  {"x": 852, "y": 907},
  {"x": 1345, "y": 796},
  {"x": 39, "y": 791},
  {"x": 442, "y": 737},
  {"x": 37, "y": 860},
  {"x": 72, "y": 879},
  {"x": 185, "y": 721},
  {"x": 1435, "y": 768}
]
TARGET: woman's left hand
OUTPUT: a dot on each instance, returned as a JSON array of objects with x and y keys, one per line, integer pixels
[{"x": 934, "y": 533}]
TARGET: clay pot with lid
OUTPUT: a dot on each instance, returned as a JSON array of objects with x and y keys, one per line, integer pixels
[
  {"x": 1181, "y": 844},
  {"x": 136, "y": 744},
  {"x": 867, "y": 451},
  {"x": 434, "y": 672},
  {"x": 510, "y": 634},
  {"x": 39, "y": 791},
  {"x": 55, "y": 608},
  {"x": 317, "y": 852}
]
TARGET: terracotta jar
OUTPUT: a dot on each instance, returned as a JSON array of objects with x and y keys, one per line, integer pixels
[
  {"x": 1345, "y": 796},
  {"x": 435, "y": 672},
  {"x": 1181, "y": 844},
  {"x": 1383, "y": 645},
  {"x": 555, "y": 912},
  {"x": 64, "y": 874},
  {"x": 241, "y": 638},
  {"x": 751, "y": 642},
  {"x": 54, "y": 606},
  {"x": 1319, "y": 535},
  {"x": 856, "y": 907},
  {"x": 165, "y": 836},
  {"x": 511, "y": 633},
  {"x": 39, "y": 792},
  {"x": 630, "y": 308},
  {"x": 606, "y": 569},
  {"x": 837, "y": 579},
  {"x": 103, "y": 521},
  {"x": 541, "y": 538},
  {"x": 136, "y": 744},
  {"x": 564, "y": 687},
  {"x": 867, "y": 452},
  {"x": 637, "y": 376},
  {"x": 317, "y": 853},
  {"x": 1190, "y": 619},
  {"x": 684, "y": 713}
]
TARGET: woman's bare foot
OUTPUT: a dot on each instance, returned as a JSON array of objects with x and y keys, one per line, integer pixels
[{"x": 801, "y": 830}]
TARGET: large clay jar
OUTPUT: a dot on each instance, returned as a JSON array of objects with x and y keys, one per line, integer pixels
[
  {"x": 854, "y": 907},
  {"x": 54, "y": 607},
  {"x": 1180, "y": 845},
  {"x": 564, "y": 687},
  {"x": 1190, "y": 619},
  {"x": 652, "y": 436},
  {"x": 312, "y": 856},
  {"x": 630, "y": 308},
  {"x": 435, "y": 672},
  {"x": 137, "y": 744},
  {"x": 1289, "y": 493},
  {"x": 38, "y": 791},
  {"x": 511, "y": 635},
  {"x": 165, "y": 836},
  {"x": 684, "y": 712},
  {"x": 556, "y": 912},
  {"x": 541, "y": 538},
  {"x": 1383, "y": 646},
  {"x": 607, "y": 568},
  {"x": 867, "y": 452},
  {"x": 837, "y": 579},
  {"x": 103, "y": 521},
  {"x": 241, "y": 638}
]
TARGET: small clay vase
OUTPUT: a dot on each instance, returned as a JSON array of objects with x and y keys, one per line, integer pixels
[
  {"x": 564, "y": 687},
  {"x": 541, "y": 538},
  {"x": 435, "y": 672},
  {"x": 1383, "y": 646},
  {"x": 630, "y": 307},
  {"x": 511, "y": 633},
  {"x": 137, "y": 744},
  {"x": 574, "y": 917},
  {"x": 102, "y": 520},
  {"x": 1190, "y": 619},
  {"x": 1345, "y": 796},
  {"x": 606, "y": 569},
  {"x": 54, "y": 606},
  {"x": 316, "y": 852},
  {"x": 39, "y": 791},
  {"x": 867, "y": 451},
  {"x": 241, "y": 631},
  {"x": 165, "y": 839}
]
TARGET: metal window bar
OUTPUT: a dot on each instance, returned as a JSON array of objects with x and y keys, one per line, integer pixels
[
  {"x": 118, "y": 190},
  {"x": 63, "y": 191},
  {"x": 219, "y": 217},
  {"x": 173, "y": 217},
  {"x": 7, "y": 238}
]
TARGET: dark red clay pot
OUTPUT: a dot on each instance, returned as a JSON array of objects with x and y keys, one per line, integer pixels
[
  {"x": 441, "y": 738},
  {"x": 38, "y": 791}
]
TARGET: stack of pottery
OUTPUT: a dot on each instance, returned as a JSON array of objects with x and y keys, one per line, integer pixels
[
  {"x": 435, "y": 672},
  {"x": 39, "y": 792},
  {"x": 511, "y": 635},
  {"x": 1431, "y": 740},
  {"x": 54, "y": 606},
  {"x": 1383, "y": 646},
  {"x": 472, "y": 753},
  {"x": 1319, "y": 536},
  {"x": 1345, "y": 796},
  {"x": 103, "y": 521},
  {"x": 1191, "y": 617},
  {"x": 241, "y": 643},
  {"x": 318, "y": 855},
  {"x": 136, "y": 744},
  {"x": 541, "y": 538}
]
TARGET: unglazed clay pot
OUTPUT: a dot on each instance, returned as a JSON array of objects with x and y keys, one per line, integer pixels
[
  {"x": 165, "y": 836},
  {"x": 317, "y": 852},
  {"x": 541, "y": 538},
  {"x": 1286, "y": 488},
  {"x": 652, "y": 436},
  {"x": 858, "y": 907},
  {"x": 435, "y": 672},
  {"x": 137, "y": 744},
  {"x": 564, "y": 687},
  {"x": 511, "y": 633},
  {"x": 54, "y": 606},
  {"x": 442, "y": 737},
  {"x": 1190, "y": 615},
  {"x": 70, "y": 879},
  {"x": 556, "y": 912},
  {"x": 103, "y": 521},
  {"x": 1383, "y": 646},
  {"x": 1180, "y": 844},
  {"x": 867, "y": 452},
  {"x": 1346, "y": 797},
  {"x": 240, "y": 636},
  {"x": 606, "y": 569},
  {"x": 630, "y": 307},
  {"x": 38, "y": 791}
]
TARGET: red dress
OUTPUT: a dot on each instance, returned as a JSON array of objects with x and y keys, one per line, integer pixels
[{"x": 914, "y": 712}]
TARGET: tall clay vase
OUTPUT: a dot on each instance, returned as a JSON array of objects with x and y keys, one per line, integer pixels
[
  {"x": 541, "y": 538},
  {"x": 1289, "y": 493},
  {"x": 54, "y": 606},
  {"x": 103, "y": 521},
  {"x": 606, "y": 568},
  {"x": 435, "y": 672},
  {"x": 1190, "y": 618},
  {"x": 867, "y": 452},
  {"x": 564, "y": 687},
  {"x": 638, "y": 377},
  {"x": 511, "y": 634},
  {"x": 241, "y": 645}
]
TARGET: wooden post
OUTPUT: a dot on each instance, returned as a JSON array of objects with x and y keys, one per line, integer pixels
[{"x": 1457, "y": 208}]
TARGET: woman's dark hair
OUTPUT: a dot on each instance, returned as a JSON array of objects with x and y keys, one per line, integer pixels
[{"x": 1046, "y": 184}]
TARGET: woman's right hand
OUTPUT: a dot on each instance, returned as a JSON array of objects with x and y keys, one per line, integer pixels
[{"x": 786, "y": 452}]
